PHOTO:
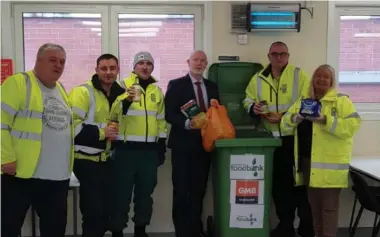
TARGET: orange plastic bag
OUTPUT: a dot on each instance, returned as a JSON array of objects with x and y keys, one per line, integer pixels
[{"x": 218, "y": 126}]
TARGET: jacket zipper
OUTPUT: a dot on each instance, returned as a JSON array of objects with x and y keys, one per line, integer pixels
[
  {"x": 146, "y": 119},
  {"x": 270, "y": 94}
]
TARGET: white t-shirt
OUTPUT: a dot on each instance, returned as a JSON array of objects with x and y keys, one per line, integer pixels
[{"x": 54, "y": 160}]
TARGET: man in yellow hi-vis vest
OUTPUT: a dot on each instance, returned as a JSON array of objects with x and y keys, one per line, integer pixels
[
  {"x": 91, "y": 104},
  {"x": 269, "y": 95},
  {"x": 140, "y": 147},
  {"x": 36, "y": 146}
]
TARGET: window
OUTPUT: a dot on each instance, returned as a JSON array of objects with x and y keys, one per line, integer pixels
[
  {"x": 82, "y": 45},
  {"x": 359, "y": 57},
  {"x": 64, "y": 25},
  {"x": 354, "y": 51},
  {"x": 169, "y": 33},
  {"x": 169, "y": 38}
]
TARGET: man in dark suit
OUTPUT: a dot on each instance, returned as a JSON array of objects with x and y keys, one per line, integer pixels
[{"x": 190, "y": 163}]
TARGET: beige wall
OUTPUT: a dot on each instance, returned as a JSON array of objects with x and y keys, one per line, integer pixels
[{"x": 307, "y": 49}]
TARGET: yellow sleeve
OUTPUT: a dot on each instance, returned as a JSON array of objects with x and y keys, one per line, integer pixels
[
  {"x": 345, "y": 122},
  {"x": 162, "y": 125},
  {"x": 286, "y": 120},
  {"x": 12, "y": 96},
  {"x": 117, "y": 107},
  {"x": 250, "y": 94},
  {"x": 79, "y": 99}
]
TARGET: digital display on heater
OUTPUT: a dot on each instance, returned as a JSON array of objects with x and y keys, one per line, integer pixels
[{"x": 273, "y": 20}]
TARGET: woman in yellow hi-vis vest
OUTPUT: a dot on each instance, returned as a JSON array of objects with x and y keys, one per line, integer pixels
[
  {"x": 140, "y": 147},
  {"x": 323, "y": 148}
]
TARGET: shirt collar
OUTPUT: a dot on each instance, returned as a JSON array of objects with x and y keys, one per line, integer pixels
[{"x": 193, "y": 80}]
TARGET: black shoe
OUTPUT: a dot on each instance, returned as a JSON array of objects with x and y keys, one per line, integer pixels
[
  {"x": 301, "y": 234},
  {"x": 279, "y": 232},
  {"x": 140, "y": 231},
  {"x": 117, "y": 234},
  {"x": 306, "y": 232}
]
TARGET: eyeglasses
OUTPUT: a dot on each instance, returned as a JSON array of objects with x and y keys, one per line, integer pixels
[{"x": 282, "y": 54}]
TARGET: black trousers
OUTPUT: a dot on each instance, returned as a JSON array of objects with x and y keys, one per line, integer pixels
[
  {"x": 287, "y": 197},
  {"x": 48, "y": 198},
  {"x": 189, "y": 175},
  {"x": 93, "y": 191}
]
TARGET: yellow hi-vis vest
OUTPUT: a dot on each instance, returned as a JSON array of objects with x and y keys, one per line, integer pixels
[
  {"x": 21, "y": 122},
  {"x": 291, "y": 85},
  {"x": 145, "y": 120},
  {"x": 90, "y": 106},
  {"x": 331, "y": 143}
]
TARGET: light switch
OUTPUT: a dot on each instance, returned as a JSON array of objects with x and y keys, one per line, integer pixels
[{"x": 242, "y": 39}]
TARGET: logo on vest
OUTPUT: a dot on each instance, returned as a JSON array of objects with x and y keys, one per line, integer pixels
[
  {"x": 284, "y": 88},
  {"x": 56, "y": 115},
  {"x": 153, "y": 98},
  {"x": 333, "y": 112}
]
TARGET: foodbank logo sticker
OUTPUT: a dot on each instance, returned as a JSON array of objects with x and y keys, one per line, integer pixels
[
  {"x": 249, "y": 219},
  {"x": 247, "y": 167}
]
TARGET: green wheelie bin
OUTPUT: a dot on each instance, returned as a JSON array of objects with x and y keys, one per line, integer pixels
[{"x": 241, "y": 167}]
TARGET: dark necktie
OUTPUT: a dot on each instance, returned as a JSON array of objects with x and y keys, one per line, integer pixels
[{"x": 202, "y": 105}]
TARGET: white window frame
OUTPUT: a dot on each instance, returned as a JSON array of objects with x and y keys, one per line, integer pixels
[
  {"x": 19, "y": 9},
  {"x": 158, "y": 9},
  {"x": 369, "y": 111}
]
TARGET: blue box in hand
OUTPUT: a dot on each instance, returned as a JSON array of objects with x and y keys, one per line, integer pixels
[{"x": 310, "y": 108}]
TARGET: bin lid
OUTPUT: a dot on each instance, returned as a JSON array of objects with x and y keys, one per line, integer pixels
[
  {"x": 248, "y": 142},
  {"x": 232, "y": 79},
  {"x": 250, "y": 138}
]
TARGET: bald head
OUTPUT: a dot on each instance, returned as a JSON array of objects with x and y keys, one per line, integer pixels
[
  {"x": 50, "y": 63},
  {"x": 197, "y": 63}
]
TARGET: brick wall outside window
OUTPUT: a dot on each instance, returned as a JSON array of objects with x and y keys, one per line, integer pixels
[
  {"x": 360, "y": 54},
  {"x": 170, "y": 48},
  {"x": 172, "y": 45}
]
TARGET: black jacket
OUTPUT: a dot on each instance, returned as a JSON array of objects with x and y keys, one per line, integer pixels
[
  {"x": 89, "y": 135},
  {"x": 179, "y": 92}
]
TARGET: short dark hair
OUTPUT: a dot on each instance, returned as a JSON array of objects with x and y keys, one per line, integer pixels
[
  {"x": 107, "y": 56},
  {"x": 278, "y": 43}
]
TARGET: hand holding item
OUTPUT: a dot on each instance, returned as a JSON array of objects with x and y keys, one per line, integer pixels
[
  {"x": 198, "y": 121},
  {"x": 273, "y": 117},
  {"x": 111, "y": 130},
  {"x": 214, "y": 103},
  {"x": 310, "y": 108},
  {"x": 131, "y": 93},
  {"x": 320, "y": 120},
  {"x": 137, "y": 92},
  {"x": 297, "y": 118},
  {"x": 192, "y": 111},
  {"x": 257, "y": 109},
  {"x": 9, "y": 168}
]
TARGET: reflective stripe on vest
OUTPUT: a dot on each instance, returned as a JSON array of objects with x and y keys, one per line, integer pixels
[
  {"x": 135, "y": 112},
  {"x": 88, "y": 150},
  {"x": 90, "y": 120},
  {"x": 296, "y": 77},
  {"x": 24, "y": 113},
  {"x": 329, "y": 166},
  {"x": 134, "y": 138}
]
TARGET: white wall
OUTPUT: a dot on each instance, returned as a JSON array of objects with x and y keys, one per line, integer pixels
[{"x": 307, "y": 49}]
